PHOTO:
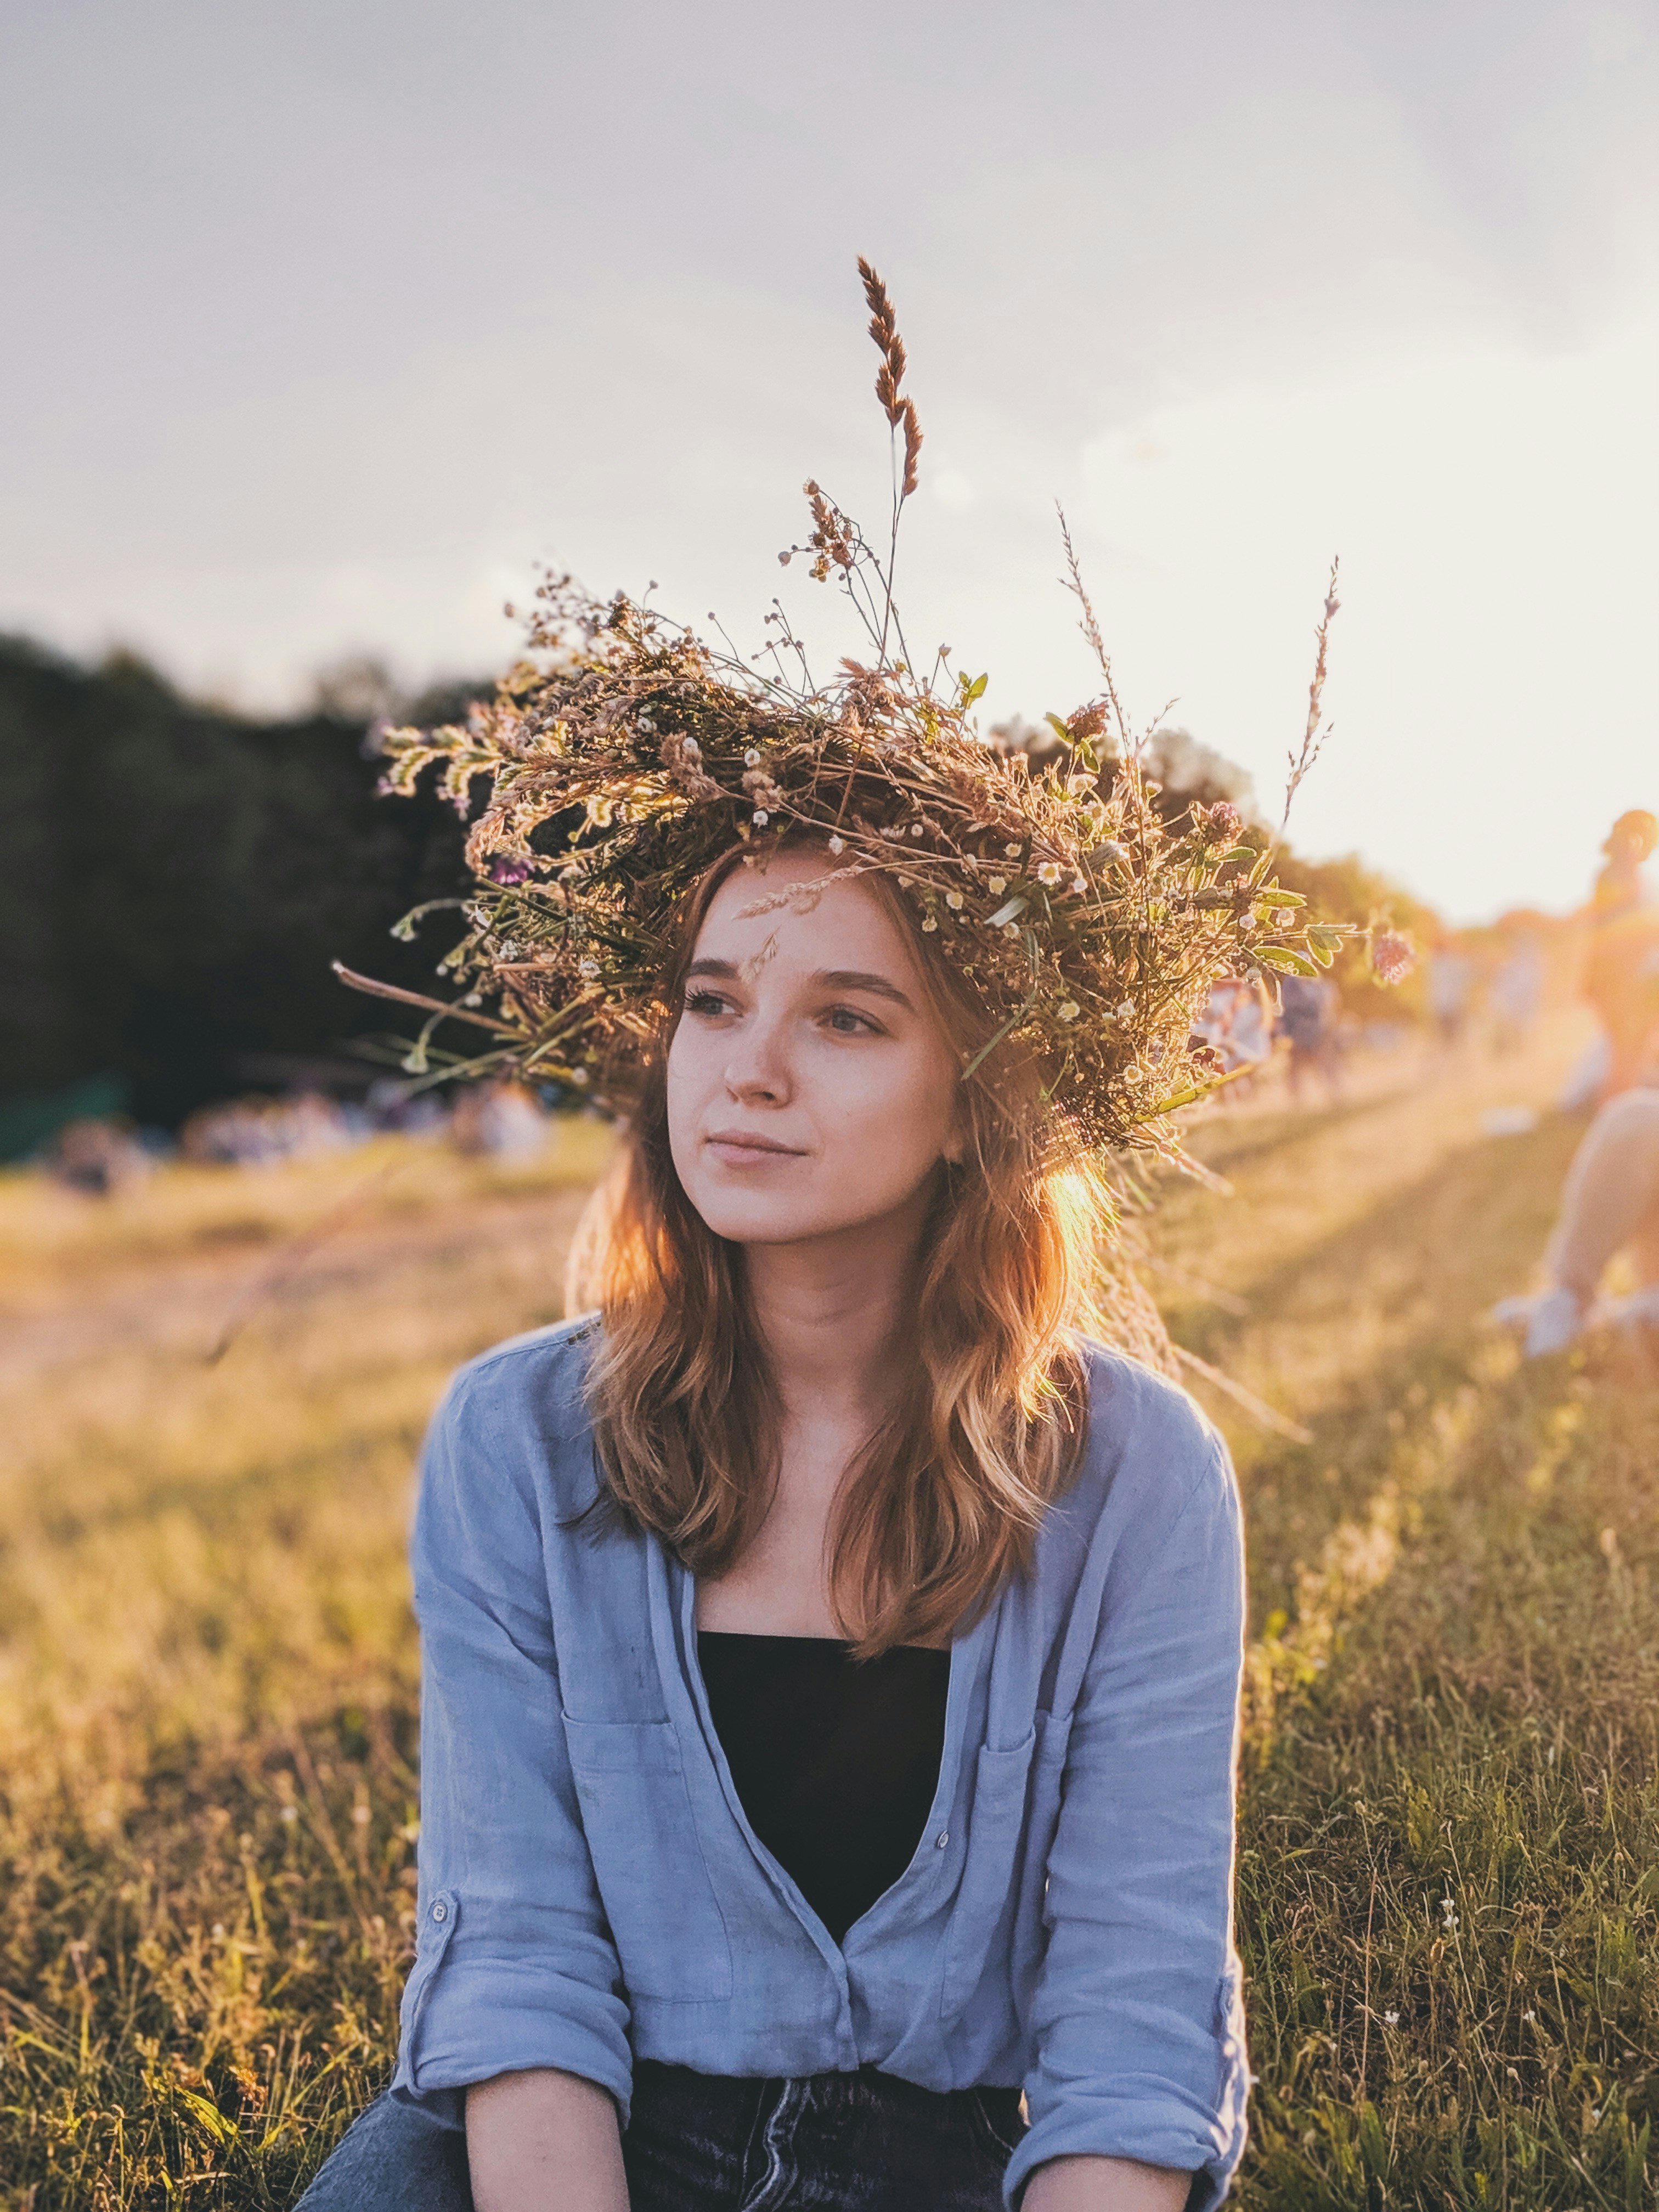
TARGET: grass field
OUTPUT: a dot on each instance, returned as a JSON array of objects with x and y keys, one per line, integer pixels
[{"x": 1449, "y": 1863}]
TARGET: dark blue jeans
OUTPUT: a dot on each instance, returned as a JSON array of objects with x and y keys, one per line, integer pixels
[{"x": 699, "y": 2143}]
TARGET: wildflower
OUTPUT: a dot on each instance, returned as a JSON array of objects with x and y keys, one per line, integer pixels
[
  {"x": 1225, "y": 821},
  {"x": 691, "y": 749},
  {"x": 508, "y": 868},
  {"x": 1079, "y": 884},
  {"x": 1390, "y": 2019},
  {"x": 760, "y": 818},
  {"x": 1068, "y": 1010},
  {"x": 580, "y": 1078},
  {"x": 1530, "y": 2015},
  {"x": 587, "y": 969},
  {"x": 997, "y": 886},
  {"x": 839, "y": 845},
  {"x": 1450, "y": 1911},
  {"x": 953, "y": 900},
  {"x": 930, "y": 924},
  {"x": 1048, "y": 873},
  {"x": 1393, "y": 956},
  {"x": 1012, "y": 851},
  {"x": 1125, "y": 1010},
  {"x": 752, "y": 758}
]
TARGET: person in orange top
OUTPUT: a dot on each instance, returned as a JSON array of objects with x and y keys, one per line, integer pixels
[
  {"x": 1621, "y": 974},
  {"x": 1610, "y": 1202}
]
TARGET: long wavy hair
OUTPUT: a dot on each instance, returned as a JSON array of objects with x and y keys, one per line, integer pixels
[{"x": 943, "y": 1503}]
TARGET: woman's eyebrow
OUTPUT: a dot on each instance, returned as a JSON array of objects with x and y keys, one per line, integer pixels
[
  {"x": 723, "y": 971},
  {"x": 855, "y": 979}
]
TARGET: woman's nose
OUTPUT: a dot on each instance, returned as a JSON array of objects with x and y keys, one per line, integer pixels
[{"x": 758, "y": 1067}]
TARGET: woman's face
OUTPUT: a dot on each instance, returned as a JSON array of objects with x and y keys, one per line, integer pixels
[{"x": 812, "y": 1090}]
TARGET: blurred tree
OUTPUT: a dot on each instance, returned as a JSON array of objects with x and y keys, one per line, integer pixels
[
  {"x": 359, "y": 688},
  {"x": 1189, "y": 772},
  {"x": 175, "y": 879}
]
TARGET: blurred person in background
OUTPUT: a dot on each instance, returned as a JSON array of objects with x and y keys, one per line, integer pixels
[
  {"x": 1621, "y": 970},
  {"x": 1516, "y": 996},
  {"x": 263, "y": 1132},
  {"x": 1237, "y": 1026},
  {"x": 500, "y": 1120},
  {"x": 1610, "y": 1201},
  {"x": 1451, "y": 992},
  {"x": 96, "y": 1156},
  {"x": 1609, "y": 1204},
  {"x": 1309, "y": 1015}
]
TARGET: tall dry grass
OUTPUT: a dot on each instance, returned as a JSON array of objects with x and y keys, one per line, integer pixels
[
  {"x": 208, "y": 1696},
  {"x": 1449, "y": 1884}
]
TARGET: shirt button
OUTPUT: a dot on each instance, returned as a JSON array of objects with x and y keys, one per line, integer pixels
[
  {"x": 441, "y": 1910},
  {"x": 941, "y": 1839}
]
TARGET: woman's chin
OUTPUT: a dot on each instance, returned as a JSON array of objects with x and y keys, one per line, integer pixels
[
  {"x": 740, "y": 1224},
  {"x": 746, "y": 1218}
]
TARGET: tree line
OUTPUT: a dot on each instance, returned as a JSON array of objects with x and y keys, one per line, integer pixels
[{"x": 176, "y": 879}]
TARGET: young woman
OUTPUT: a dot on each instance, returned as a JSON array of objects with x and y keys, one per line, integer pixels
[{"x": 831, "y": 1655}]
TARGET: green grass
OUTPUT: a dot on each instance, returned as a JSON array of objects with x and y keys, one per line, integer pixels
[
  {"x": 1448, "y": 1889},
  {"x": 207, "y": 1664}
]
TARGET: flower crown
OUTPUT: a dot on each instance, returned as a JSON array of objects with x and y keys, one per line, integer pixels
[{"x": 624, "y": 756}]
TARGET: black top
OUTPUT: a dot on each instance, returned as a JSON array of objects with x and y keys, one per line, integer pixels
[{"x": 835, "y": 1759}]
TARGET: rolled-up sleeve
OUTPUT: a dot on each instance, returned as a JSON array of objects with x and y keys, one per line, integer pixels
[
  {"x": 1137, "y": 2020},
  {"x": 515, "y": 1966}
]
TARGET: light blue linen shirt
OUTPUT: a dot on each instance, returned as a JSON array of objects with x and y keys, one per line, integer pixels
[{"x": 591, "y": 1892}]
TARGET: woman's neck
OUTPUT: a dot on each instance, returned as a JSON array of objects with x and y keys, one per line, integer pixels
[{"x": 834, "y": 1314}]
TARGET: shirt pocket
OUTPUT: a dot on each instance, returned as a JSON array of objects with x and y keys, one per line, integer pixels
[
  {"x": 666, "y": 1919},
  {"x": 996, "y": 1823}
]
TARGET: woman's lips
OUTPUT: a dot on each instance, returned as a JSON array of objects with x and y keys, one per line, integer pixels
[{"x": 743, "y": 1148}]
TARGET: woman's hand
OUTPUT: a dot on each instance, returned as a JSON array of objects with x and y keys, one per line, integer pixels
[
  {"x": 543, "y": 2141},
  {"x": 1104, "y": 2185}
]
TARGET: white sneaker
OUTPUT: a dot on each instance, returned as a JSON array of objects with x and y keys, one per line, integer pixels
[
  {"x": 1549, "y": 1319},
  {"x": 1558, "y": 1315},
  {"x": 1639, "y": 1310}
]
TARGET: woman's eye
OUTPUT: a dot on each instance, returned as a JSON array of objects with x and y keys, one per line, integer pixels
[
  {"x": 845, "y": 1021},
  {"x": 704, "y": 1002}
]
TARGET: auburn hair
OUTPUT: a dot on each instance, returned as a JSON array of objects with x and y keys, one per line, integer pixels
[{"x": 943, "y": 1503}]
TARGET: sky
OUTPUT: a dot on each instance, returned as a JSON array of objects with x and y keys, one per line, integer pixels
[{"x": 324, "y": 323}]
